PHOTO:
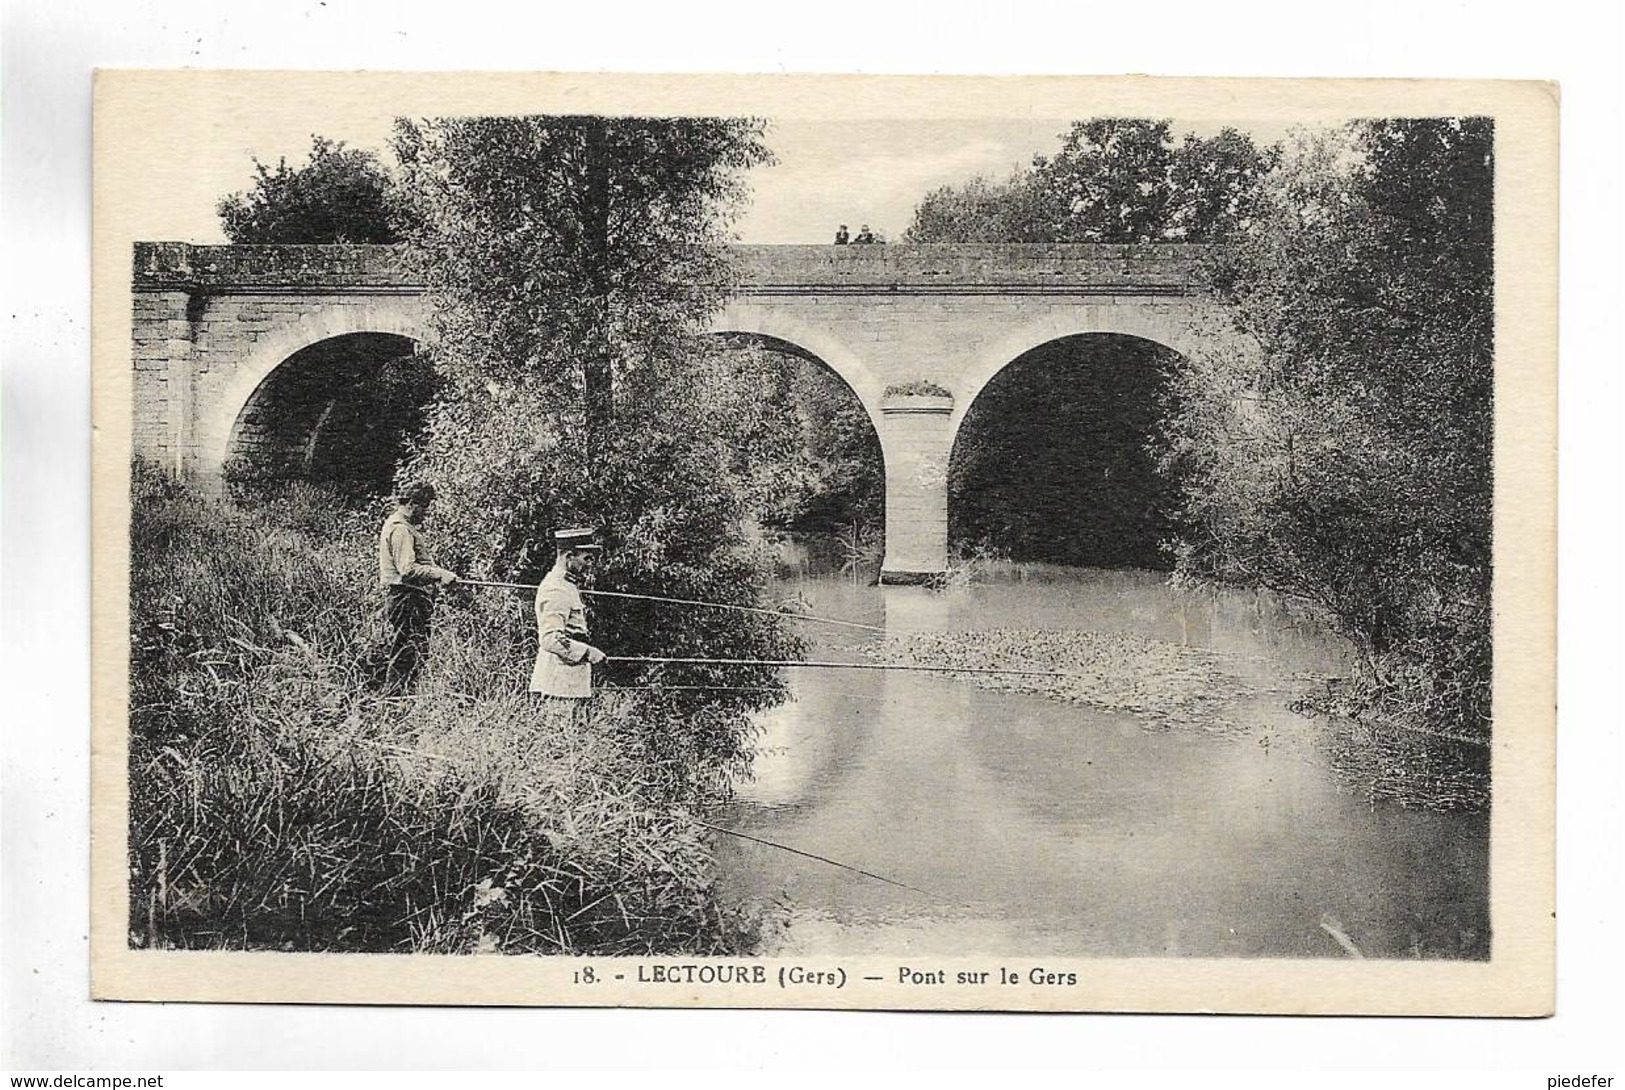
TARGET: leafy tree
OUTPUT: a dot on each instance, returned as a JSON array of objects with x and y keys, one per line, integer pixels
[
  {"x": 1213, "y": 185},
  {"x": 1109, "y": 181},
  {"x": 763, "y": 442},
  {"x": 802, "y": 439},
  {"x": 1014, "y": 210},
  {"x": 1113, "y": 180},
  {"x": 850, "y": 484},
  {"x": 572, "y": 263},
  {"x": 340, "y": 195},
  {"x": 1341, "y": 451}
]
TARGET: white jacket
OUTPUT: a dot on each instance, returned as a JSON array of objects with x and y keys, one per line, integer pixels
[{"x": 562, "y": 668}]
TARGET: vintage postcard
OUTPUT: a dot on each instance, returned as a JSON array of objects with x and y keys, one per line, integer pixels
[{"x": 842, "y": 542}]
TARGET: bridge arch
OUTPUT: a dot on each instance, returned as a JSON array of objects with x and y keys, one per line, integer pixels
[
  {"x": 802, "y": 396},
  {"x": 1180, "y": 327},
  {"x": 217, "y": 415},
  {"x": 1054, "y": 461},
  {"x": 743, "y": 316}
]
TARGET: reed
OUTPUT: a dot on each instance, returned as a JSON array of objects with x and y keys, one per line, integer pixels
[{"x": 278, "y": 802}]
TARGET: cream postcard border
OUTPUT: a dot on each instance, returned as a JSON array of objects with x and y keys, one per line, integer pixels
[{"x": 142, "y": 124}]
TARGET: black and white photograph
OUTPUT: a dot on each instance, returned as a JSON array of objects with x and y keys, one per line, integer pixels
[{"x": 824, "y": 542}]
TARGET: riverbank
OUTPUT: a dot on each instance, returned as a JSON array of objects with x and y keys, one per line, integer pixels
[{"x": 278, "y": 802}]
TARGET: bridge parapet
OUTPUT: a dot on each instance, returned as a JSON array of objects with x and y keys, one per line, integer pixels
[
  {"x": 971, "y": 269},
  {"x": 951, "y": 269},
  {"x": 184, "y": 266}
]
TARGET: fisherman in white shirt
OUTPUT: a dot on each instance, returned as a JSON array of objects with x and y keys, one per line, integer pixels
[{"x": 409, "y": 579}]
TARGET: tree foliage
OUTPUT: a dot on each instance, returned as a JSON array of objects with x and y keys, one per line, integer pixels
[
  {"x": 1341, "y": 451},
  {"x": 1113, "y": 180},
  {"x": 340, "y": 195},
  {"x": 573, "y": 263},
  {"x": 984, "y": 210},
  {"x": 802, "y": 439}
]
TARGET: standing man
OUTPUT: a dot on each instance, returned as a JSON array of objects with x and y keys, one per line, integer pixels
[
  {"x": 409, "y": 579},
  {"x": 841, "y": 237},
  {"x": 564, "y": 657}
]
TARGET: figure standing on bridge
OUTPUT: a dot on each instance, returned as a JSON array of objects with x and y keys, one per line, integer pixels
[
  {"x": 564, "y": 657},
  {"x": 841, "y": 237},
  {"x": 409, "y": 579},
  {"x": 865, "y": 236}
]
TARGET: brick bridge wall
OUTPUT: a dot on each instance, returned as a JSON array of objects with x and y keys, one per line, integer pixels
[{"x": 211, "y": 323}]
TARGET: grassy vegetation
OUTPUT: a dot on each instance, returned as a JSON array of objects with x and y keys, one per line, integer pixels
[{"x": 278, "y": 803}]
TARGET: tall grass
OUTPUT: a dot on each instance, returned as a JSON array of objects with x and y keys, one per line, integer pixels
[{"x": 277, "y": 802}]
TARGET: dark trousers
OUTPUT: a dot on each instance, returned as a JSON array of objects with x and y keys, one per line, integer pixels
[{"x": 407, "y": 612}]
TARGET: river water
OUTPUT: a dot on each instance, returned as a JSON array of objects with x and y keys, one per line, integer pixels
[{"x": 1030, "y": 825}]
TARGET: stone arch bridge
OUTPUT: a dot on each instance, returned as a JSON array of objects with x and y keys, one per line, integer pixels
[{"x": 212, "y": 323}]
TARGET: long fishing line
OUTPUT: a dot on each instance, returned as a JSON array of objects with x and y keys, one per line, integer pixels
[
  {"x": 688, "y": 602},
  {"x": 819, "y": 858},
  {"x": 732, "y": 689},
  {"x": 845, "y": 665}
]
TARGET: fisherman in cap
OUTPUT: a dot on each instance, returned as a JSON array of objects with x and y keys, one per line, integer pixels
[
  {"x": 409, "y": 579},
  {"x": 564, "y": 657}
]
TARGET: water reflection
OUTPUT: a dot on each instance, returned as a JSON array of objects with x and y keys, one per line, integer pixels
[{"x": 1045, "y": 827}]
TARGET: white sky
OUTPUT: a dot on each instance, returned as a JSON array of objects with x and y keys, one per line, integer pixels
[{"x": 828, "y": 172}]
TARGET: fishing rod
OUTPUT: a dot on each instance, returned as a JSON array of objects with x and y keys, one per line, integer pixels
[
  {"x": 687, "y": 602},
  {"x": 820, "y": 858},
  {"x": 701, "y": 822},
  {"x": 845, "y": 665},
  {"x": 742, "y": 609},
  {"x": 707, "y": 688},
  {"x": 728, "y": 689}
]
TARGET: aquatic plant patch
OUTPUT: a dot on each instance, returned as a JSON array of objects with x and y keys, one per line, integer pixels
[
  {"x": 1172, "y": 687},
  {"x": 1166, "y": 684}
]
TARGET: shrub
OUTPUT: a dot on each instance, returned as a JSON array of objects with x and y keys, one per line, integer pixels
[
  {"x": 340, "y": 195},
  {"x": 1341, "y": 452},
  {"x": 917, "y": 388}
]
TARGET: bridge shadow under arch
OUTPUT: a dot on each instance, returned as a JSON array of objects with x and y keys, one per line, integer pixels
[
  {"x": 1052, "y": 461},
  {"x": 340, "y": 413}
]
